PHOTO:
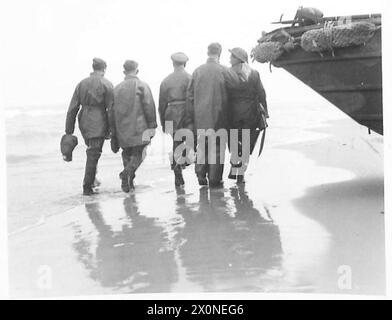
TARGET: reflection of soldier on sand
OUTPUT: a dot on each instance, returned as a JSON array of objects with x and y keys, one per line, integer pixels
[
  {"x": 227, "y": 247},
  {"x": 244, "y": 206},
  {"x": 133, "y": 258}
]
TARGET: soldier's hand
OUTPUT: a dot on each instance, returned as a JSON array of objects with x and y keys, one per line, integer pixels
[
  {"x": 190, "y": 127},
  {"x": 267, "y": 115}
]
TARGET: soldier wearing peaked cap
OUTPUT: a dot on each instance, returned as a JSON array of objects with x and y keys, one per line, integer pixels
[
  {"x": 132, "y": 122},
  {"x": 172, "y": 107},
  {"x": 95, "y": 95},
  {"x": 99, "y": 64},
  {"x": 179, "y": 57}
]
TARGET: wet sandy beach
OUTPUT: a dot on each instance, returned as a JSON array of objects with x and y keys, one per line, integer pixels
[{"x": 312, "y": 204}]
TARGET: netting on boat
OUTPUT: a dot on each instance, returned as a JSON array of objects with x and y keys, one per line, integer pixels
[
  {"x": 355, "y": 34},
  {"x": 267, "y": 51},
  {"x": 318, "y": 40},
  {"x": 341, "y": 36},
  {"x": 272, "y": 46}
]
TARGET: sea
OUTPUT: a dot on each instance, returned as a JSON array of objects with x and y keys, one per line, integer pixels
[
  {"x": 41, "y": 184},
  {"x": 320, "y": 173}
]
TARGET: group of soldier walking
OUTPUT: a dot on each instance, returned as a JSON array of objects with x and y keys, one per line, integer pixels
[{"x": 213, "y": 98}]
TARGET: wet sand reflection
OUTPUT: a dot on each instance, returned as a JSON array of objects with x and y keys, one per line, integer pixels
[
  {"x": 133, "y": 258},
  {"x": 227, "y": 244},
  {"x": 220, "y": 241}
]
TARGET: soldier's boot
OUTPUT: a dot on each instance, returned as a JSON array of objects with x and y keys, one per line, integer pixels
[
  {"x": 187, "y": 162},
  {"x": 232, "y": 173},
  {"x": 201, "y": 173},
  {"x": 215, "y": 172},
  {"x": 88, "y": 191},
  {"x": 240, "y": 179},
  {"x": 131, "y": 177},
  {"x": 182, "y": 179},
  {"x": 215, "y": 184},
  {"x": 241, "y": 173},
  {"x": 124, "y": 182},
  {"x": 97, "y": 183},
  {"x": 234, "y": 170},
  {"x": 202, "y": 180}
]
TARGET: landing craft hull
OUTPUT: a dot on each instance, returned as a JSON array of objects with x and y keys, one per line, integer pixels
[{"x": 352, "y": 80}]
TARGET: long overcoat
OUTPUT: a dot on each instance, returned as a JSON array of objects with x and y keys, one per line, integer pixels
[{"x": 207, "y": 95}]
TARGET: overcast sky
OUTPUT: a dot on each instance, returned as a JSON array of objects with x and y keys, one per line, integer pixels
[{"x": 48, "y": 46}]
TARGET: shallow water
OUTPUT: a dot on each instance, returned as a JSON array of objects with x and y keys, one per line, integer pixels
[
  {"x": 312, "y": 204},
  {"x": 41, "y": 184},
  {"x": 218, "y": 239}
]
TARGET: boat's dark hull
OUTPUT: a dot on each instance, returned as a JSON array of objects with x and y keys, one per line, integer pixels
[{"x": 352, "y": 80}]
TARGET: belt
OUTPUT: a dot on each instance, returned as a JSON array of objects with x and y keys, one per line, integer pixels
[
  {"x": 176, "y": 103},
  {"x": 90, "y": 106}
]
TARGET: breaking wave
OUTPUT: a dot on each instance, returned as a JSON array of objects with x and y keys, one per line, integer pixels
[
  {"x": 16, "y": 159},
  {"x": 21, "y": 112}
]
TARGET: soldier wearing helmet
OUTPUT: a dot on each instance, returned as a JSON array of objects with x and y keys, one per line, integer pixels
[{"x": 247, "y": 103}]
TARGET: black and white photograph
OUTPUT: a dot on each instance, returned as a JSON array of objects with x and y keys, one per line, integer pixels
[{"x": 185, "y": 148}]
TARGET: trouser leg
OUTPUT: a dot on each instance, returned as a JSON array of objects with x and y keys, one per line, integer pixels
[
  {"x": 246, "y": 154},
  {"x": 201, "y": 173},
  {"x": 215, "y": 162},
  {"x": 201, "y": 166},
  {"x": 132, "y": 159},
  {"x": 254, "y": 134},
  {"x": 215, "y": 172},
  {"x": 176, "y": 167},
  {"x": 175, "y": 164},
  {"x": 235, "y": 154},
  {"x": 125, "y": 155},
  {"x": 240, "y": 162},
  {"x": 136, "y": 159},
  {"x": 93, "y": 152}
]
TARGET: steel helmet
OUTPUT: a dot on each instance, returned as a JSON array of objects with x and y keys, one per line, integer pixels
[{"x": 240, "y": 54}]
